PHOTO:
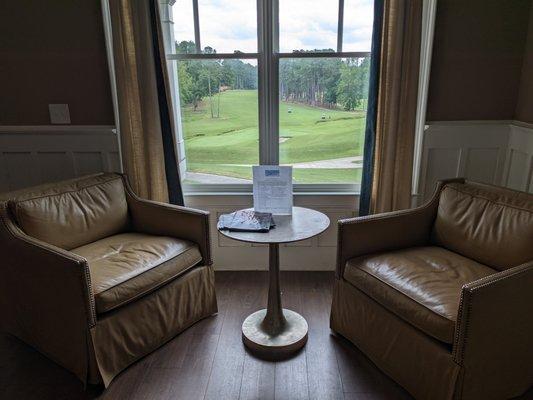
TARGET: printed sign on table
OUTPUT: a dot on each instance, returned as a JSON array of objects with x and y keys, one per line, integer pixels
[{"x": 273, "y": 189}]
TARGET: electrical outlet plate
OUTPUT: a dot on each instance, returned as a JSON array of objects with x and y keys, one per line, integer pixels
[{"x": 59, "y": 113}]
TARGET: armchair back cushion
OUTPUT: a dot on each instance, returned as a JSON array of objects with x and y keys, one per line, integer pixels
[
  {"x": 73, "y": 213},
  {"x": 491, "y": 225}
]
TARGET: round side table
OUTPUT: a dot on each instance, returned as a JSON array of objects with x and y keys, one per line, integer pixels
[{"x": 276, "y": 332}]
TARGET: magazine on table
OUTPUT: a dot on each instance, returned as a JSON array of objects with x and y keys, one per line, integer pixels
[{"x": 246, "y": 221}]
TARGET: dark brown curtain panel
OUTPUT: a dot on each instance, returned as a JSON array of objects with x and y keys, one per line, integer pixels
[{"x": 145, "y": 106}]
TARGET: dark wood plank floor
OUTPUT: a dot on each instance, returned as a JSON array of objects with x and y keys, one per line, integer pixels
[{"x": 209, "y": 361}]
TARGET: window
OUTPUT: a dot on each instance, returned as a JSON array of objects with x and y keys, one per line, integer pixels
[
  {"x": 219, "y": 119},
  {"x": 322, "y": 114},
  {"x": 270, "y": 81}
]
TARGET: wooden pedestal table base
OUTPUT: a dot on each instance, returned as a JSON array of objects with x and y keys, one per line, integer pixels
[{"x": 275, "y": 332}]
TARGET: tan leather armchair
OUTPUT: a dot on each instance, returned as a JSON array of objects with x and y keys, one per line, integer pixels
[
  {"x": 95, "y": 277},
  {"x": 441, "y": 297}
]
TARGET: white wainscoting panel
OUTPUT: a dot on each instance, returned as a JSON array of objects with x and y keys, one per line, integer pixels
[
  {"x": 473, "y": 150},
  {"x": 518, "y": 172},
  {"x": 316, "y": 254},
  {"x": 31, "y": 155},
  {"x": 439, "y": 162},
  {"x": 518, "y": 163},
  {"x": 495, "y": 152},
  {"x": 482, "y": 165}
]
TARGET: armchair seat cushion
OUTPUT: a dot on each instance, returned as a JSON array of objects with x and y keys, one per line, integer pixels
[
  {"x": 422, "y": 285},
  {"x": 127, "y": 266}
]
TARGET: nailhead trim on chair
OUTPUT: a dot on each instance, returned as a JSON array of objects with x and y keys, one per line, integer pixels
[{"x": 468, "y": 291}]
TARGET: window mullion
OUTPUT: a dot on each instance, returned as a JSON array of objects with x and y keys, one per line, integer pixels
[
  {"x": 274, "y": 84},
  {"x": 196, "y": 26},
  {"x": 340, "y": 26},
  {"x": 261, "y": 72},
  {"x": 268, "y": 82}
]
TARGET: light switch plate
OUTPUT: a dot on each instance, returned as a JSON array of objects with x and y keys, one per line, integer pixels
[{"x": 59, "y": 113}]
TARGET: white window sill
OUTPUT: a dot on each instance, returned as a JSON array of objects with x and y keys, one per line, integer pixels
[{"x": 246, "y": 189}]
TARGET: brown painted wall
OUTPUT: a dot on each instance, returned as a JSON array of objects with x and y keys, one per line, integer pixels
[
  {"x": 53, "y": 52},
  {"x": 477, "y": 59},
  {"x": 524, "y": 106}
]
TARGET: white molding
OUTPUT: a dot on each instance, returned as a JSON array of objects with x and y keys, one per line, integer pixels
[
  {"x": 246, "y": 188},
  {"x": 471, "y": 122},
  {"x": 522, "y": 124},
  {"x": 58, "y": 129},
  {"x": 108, "y": 33},
  {"x": 426, "y": 48},
  {"x": 482, "y": 122}
]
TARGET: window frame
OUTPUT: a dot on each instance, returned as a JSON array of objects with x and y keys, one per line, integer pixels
[{"x": 268, "y": 58}]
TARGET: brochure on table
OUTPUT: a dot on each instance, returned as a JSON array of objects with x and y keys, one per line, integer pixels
[{"x": 273, "y": 189}]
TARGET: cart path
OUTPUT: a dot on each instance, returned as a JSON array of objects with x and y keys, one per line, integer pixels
[
  {"x": 334, "y": 163},
  {"x": 199, "y": 177}
]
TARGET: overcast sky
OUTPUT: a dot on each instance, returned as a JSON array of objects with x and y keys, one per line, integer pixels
[{"x": 228, "y": 25}]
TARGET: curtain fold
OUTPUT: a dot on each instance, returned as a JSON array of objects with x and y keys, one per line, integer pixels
[
  {"x": 392, "y": 163},
  {"x": 144, "y": 108}
]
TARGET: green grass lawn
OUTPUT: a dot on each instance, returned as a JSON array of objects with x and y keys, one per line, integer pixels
[{"x": 223, "y": 145}]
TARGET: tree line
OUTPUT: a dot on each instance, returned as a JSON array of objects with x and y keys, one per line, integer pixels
[
  {"x": 325, "y": 82},
  {"x": 322, "y": 82},
  {"x": 199, "y": 79}
]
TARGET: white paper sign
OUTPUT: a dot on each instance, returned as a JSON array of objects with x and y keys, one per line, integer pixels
[{"x": 273, "y": 189}]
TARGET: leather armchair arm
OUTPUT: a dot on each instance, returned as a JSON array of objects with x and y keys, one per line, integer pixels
[
  {"x": 382, "y": 232},
  {"x": 387, "y": 231},
  {"x": 45, "y": 296},
  {"x": 169, "y": 220},
  {"x": 494, "y": 332},
  {"x": 44, "y": 285}
]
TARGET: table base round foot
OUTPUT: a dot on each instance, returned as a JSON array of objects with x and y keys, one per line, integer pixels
[{"x": 291, "y": 339}]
